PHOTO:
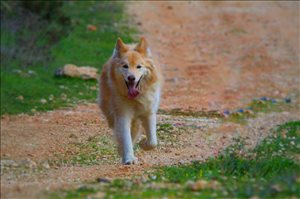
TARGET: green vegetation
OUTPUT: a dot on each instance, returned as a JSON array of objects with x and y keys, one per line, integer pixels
[
  {"x": 27, "y": 79},
  {"x": 190, "y": 113},
  {"x": 95, "y": 150},
  {"x": 267, "y": 171},
  {"x": 258, "y": 106}
]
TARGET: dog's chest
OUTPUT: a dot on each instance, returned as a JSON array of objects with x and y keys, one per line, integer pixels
[{"x": 149, "y": 101}]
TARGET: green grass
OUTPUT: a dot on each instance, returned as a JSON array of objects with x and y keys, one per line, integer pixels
[
  {"x": 80, "y": 46},
  {"x": 259, "y": 106},
  {"x": 96, "y": 150},
  {"x": 270, "y": 170}
]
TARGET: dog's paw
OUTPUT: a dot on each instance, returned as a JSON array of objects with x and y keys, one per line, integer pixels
[
  {"x": 144, "y": 144},
  {"x": 129, "y": 161}
]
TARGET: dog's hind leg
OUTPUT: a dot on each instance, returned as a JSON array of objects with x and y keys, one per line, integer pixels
[
  {"x": 135, "y": 130},
  {"x": 149, "y": 123}
]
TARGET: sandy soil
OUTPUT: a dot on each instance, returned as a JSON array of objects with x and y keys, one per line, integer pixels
[{"x": 214, "y": 56}]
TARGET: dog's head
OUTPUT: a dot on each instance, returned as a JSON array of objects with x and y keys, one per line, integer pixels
[{"x": 133, "y": 69}]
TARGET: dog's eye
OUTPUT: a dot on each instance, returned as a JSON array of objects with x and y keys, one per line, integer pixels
[
  {"x": 125, "y": 66},
  {"x": 139, "y": 66}
]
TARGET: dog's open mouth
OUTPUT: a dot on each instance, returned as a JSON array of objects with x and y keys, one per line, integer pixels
[{"x": 133, "y": 89}]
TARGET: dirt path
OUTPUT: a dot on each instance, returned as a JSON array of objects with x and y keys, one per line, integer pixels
[
  {"x": 220, "y": 55},
  {"x": 214, "y": 56}
]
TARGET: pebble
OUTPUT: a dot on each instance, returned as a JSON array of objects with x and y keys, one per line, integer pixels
[
  {"x": 46, "y": 165},
  {"x": 103, "y": 180},
  {"x": 274, "y": 101},
  {"x": 241, "y": 111},
  {"x": 226, "y": 112},
  {"x": 198, "y": 185},
  {"x": 264, "y": 98},
  {"x": 43, "y": 101},
  {"x": 21, "y": 98},
  {"x": 91, "y": 27},
  {"x": 28, "y": 163},
  {"x": 287, "y": 100}
]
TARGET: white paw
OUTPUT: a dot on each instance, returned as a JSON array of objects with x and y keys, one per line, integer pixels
[
  {"x": 144, "y": 144},
  {"x": 129, "y": 161}
]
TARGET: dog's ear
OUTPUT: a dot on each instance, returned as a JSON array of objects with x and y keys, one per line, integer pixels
[
  {"x": 142, "y": 48},
  {"x": 120, "y": 48}
]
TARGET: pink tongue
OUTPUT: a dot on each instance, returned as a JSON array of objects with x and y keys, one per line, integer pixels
[{"x": 132, "y": 92}]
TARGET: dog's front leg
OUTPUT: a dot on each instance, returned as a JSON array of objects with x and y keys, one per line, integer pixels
[
  {"x": 122, "y": 132},
  {"x": 149, "y": 123}
]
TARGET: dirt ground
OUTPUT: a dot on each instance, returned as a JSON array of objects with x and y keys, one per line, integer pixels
[{"x": 214, "y": 56}]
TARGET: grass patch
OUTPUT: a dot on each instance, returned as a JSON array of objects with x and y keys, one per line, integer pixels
[
  {"x": 263, "y": 105},
  {"x": 168, "y": 135},
  {"x": 97, "y": 149},
  {"x": 30, "y": 87},
  {"x": 190, "y": 113},
  {"x": 267, "y": 171}
]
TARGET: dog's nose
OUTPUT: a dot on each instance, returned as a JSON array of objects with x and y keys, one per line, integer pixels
[{"x": 131, "y": 78}]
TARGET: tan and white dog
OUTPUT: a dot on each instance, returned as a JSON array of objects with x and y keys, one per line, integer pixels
[{"x": 130, "y": 89}]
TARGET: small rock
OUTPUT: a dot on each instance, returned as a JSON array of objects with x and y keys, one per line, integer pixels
[
  {"x": 103, "y": 180},
  {"x": 73, "y": 136},
  {"x": 28, "y": 163},
  {"x": 203, "y": 184},
  {"x": 261, "y": 102},
  {"x": 226, "y": 112},
  {"x": 287, "y": 100},
  {"x": 99, "y": 195},
  {"x": 31, "y": 73},
  {"x": 182, "y": 162},
  {"x": 254, "y": 197},
  {"x": 46, "y": 165},
  {"x": 276, "y": 187},
  {"x": 240, "y": 110},
  {"x": 93, "y": 88},
  {"x": 91, "y": 27},
  {"x": 250, "y": 112},
  {"x": 274, "y": 101},
  {"x": 43, "y": 101},
  {"x": 264, "y": 98},
  {"x": 168, "y": 150},
  {"x": 20, "y": 97},
  {"x": 59, "y": 72},
  {"x": 174, "y": 80},
  {"x": 198, "y": 185},
  {"x": 170, "y": 7}
]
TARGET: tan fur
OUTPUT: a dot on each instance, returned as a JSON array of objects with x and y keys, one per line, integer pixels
[{"x": 113, "y": 95}]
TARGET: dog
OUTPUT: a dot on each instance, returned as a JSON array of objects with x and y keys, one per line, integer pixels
[{"x": 129, "y": 96}]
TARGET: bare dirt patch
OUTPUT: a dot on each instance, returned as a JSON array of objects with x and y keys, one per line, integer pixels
[{"x": 214, "y": 56}]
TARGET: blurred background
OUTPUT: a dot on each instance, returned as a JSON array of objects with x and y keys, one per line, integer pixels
[{"x": 39, "y": 37}]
